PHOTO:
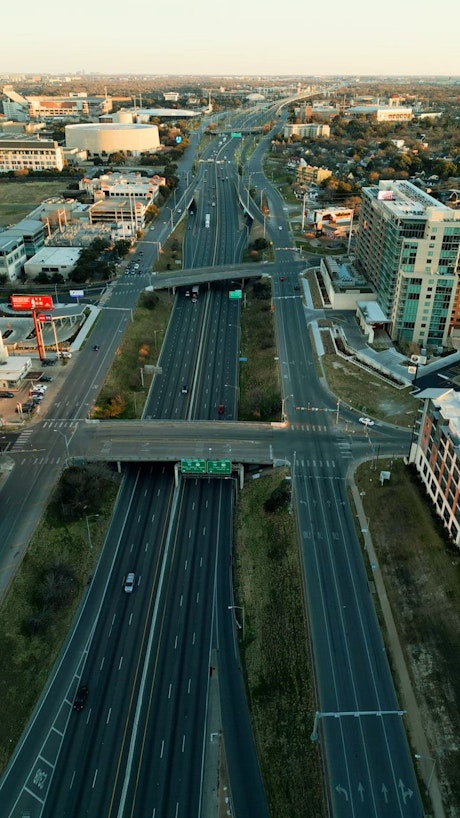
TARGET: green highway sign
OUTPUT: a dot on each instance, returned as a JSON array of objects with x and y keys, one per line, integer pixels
[
  {"x": 219, "y": 466},
  {"x": 235, "y": 294},
  {"x": 193, "y": 465},
  {"x": 235, "y": 135}
]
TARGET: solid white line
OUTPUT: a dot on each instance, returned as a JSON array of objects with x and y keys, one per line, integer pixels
[
  {"x": 108, "y": 715},
  {"x": 120, "y": 663},
  {"x": 94, "y": 779}
]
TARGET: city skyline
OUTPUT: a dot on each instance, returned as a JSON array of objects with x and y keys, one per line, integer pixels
[{"x": 186, "y": 39}]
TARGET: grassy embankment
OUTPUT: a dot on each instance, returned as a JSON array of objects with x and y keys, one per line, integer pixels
[{"x": 17, "y": 199}]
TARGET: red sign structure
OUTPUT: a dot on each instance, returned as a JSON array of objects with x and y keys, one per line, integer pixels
[{"x": 27, "y": 303}]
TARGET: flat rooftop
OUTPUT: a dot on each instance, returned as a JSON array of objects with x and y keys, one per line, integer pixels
[{"x": 403, "y": 199}]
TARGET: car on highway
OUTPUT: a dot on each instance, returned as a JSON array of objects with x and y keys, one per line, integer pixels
[
  {"x": 96, "y": 347},
  {"x": 281, "y": 278},
  {"x": 184, "y": 390},
  {"x": 80, "y": 697},
  {"x": 6, "y": 394},
  {"x": 280, "y": 227},
  {"x": 129, "y": 583},
  {"x": 221, "y": 409},
  {"x": 366, "y": 421}
]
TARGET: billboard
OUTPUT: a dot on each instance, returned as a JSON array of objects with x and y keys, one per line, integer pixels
[{"x": 26, "y": 303}]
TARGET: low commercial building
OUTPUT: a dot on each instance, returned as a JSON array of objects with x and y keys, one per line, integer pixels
[
  {"x": 12, "y": 255},
  {"x": 52, "y": 260},
  {"x": 32, "y": 232},
  {"x": 30, "y": 153},
  {"x": 309, "y": 174},
  {"x": 342, "y": 286},
  {"x": 436, "y": 455}
]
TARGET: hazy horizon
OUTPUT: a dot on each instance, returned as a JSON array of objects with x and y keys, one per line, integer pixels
[{"x": 183, "y": 39}]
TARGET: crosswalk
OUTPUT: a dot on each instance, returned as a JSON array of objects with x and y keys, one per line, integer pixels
[{"x": 29, "y": 446}]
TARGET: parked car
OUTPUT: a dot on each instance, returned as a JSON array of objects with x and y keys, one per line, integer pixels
[
  {"x": 64, "y": 354},
  {"x": 26, "y": 408},
  {"x": 6, "y": 394},
  {"x": 48, "y": 361},
  {"x": 129, "y": 583},
  {"x": 46, "y": 378},
  {"x": 80, "y": 697}
]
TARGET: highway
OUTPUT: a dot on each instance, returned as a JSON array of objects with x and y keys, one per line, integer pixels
[{"x": 141, "y": 744}]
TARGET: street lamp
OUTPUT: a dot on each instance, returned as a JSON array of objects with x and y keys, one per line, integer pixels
[
  {"x": 430, "y": 777},
  {"x": 283, "y": 407},
  {"x": 66, "y": 441},
  {"x": 87, "y": 518},
  {"x": 238, "y": 624}
]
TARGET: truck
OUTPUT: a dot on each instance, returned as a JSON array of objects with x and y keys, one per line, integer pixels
[{"x": 207, "y": 220}]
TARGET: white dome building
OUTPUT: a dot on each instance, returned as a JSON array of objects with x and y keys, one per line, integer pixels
[{"x": 112, "y": 137}]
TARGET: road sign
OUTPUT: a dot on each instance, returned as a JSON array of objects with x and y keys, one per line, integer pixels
[
  {"x": 45, "y": 318},
  {"x": 76, "y": 293},
  {"x": 219, "y": 466},
  {"x": 235, "y": 294},
  {"x": 193, "y": 465},
  {"x": 236, "y": 135}
]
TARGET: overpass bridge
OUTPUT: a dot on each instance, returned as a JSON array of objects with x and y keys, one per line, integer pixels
[
  {"x": 170, "y": 441},
  {"x": 201, "y": 275}
]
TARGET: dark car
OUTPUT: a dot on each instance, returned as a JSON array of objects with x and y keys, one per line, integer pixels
[
  {"x": 281, "y": 278},
  {"x": 221, "y": 409},
  {"x": 46, "y": 378},
  {"x": 184, "y": 390},
  {"x": 48, "y": 361},
  {"x": 80, "y": 697},
  {"x": 26, "y": 408},
  {"x": 96, "y": 348},
  {"x": 6, "y": 394}
]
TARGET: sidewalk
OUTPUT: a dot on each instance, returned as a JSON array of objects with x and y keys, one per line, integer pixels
[{"x": 417, "y": 738}]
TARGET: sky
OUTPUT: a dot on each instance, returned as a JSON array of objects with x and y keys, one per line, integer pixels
[{"x": 281, "y": 37}]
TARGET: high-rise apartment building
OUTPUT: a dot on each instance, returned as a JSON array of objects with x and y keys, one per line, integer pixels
[
  {"x": 436, "y": 456},
  {"x": 408, "y": 246}
]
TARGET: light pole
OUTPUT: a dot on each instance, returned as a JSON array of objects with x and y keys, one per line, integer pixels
[
  {"x": 303, "y": 209},
  {"x": 171, "y": 216},
  {"x": 87, "y": 518},
  {"x": 283, "y": 407},
  {"x": 66, "y": 441},
  {"x": 430, "y": 777},
  {"x": 238, "y": 624}
]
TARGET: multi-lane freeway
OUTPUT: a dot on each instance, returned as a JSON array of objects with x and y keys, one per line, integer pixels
[{"x": 142, "y": 744}]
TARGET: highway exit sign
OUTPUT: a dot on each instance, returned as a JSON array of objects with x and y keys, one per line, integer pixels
[
  {"x": 235, "y": 135},
  {"x": 235, "y": 294},
  {"x": 193, "y": 465},
  {"x": 219, "y": 466}
]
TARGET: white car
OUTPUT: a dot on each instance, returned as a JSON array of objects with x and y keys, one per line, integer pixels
[
  {"x": 129, "y": 583},
  {"x": 366, "y": 421},
  {"x": 64, "y": 354}
]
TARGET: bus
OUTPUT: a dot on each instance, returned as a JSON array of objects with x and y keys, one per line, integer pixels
[{"x": 207, "y": 220}]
